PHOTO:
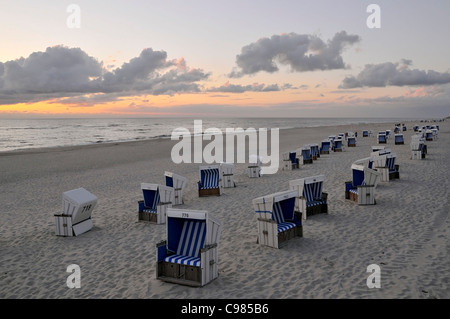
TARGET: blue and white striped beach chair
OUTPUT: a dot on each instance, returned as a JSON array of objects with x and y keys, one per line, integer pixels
[
  {"x": 311, "y": 199},
  {"x": 325, "y": 147},
  {"x": 351, "y": 141},
  {"x": 362, "y": 187},
  {"x": 178, "y": 183},
  {"x": 157, "y": 198},
  {"x": 315, "y": 153},
  {"x": 210, "y": 181},
  {"x": 75, "y": 218},
  {"x": 189, "y": 254},
  {"x": 337, "y": 145},
  {"x": 398, "y": 139},
  {"x": 290, "y": 160},
  {"x": 277, "y": 220},
  {"x": 304, "y": 155},
  {"x": 382, "y": 137},
  {"x": 393, "y": 168}
]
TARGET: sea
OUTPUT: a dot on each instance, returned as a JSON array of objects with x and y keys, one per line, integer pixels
[{"x": 19, "y": 134}]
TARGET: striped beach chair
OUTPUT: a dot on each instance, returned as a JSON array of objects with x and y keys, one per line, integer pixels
[
  {"x": 178, "y": 183},
  {"x": 325, "y": 147},
  {"x": 227, "y": 174},
  {"x": 398, "y": 139},
  {"x": 311, "y": 199},
  {"x": 382, "y": 139},
  {"x": 418, "y": 147},
  {"x": 337, "y": 145},
  {"x": 189, "y": 255},
  {"x": 210, "y": 181},
  {"x": 277, "y": 220},
  {"x": 254, "y": 167},
  {"x": 393, "y": 168},
  {"x": 157, "y": 199},
  {"x": 351, "y": 141},
  {"x": 362, "y": 187},
  {"x": 75, "y": 218},
  {"x": 290, "y": 160},
  {"x": 304, "y": 155},
  {"x": 315, "y": 153}
]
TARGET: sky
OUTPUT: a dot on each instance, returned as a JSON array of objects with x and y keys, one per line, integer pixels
[{"x": 210, "y": 58}]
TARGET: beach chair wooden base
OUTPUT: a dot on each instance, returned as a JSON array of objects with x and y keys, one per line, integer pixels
[
  {"x": 268, "y": 234},
  {"x": 417, "y": 155},
  {"x": 158, "y": 217},
  {"x": 337, "y": 150},
  {"x": 365, "y": 195},
  {"x": 351, "y": 145},
  {"x": 194, "y": 276},
  {"x": 254, "y": 171},
  {"x": 228, "y": 181},
  {"x": 209, "y": 192},
  {"x": 399, "y": 143},
  {"x": 324, "y": 152},
  {"x": 65, "y": 228}
]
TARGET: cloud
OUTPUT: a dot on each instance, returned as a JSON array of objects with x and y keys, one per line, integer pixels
[
  {"x": 255, "y": 87},
  {"x": 301, "y": 52},
  {"x": 61, "y": 72},
  {"x": 394, "y": 74}
]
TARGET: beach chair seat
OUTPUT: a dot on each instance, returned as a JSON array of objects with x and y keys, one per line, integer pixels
[
  {"x": 75, "y": 218},
  {"x": 189, "y": 255},
  {"x": 178, "y": 183},
  {"x": 325, "y": 147},
  {"x": 227, "y": 175},
  {"x": 362, "y": 187},
  {"x": 157, "y": 199},
  {"x": 311, "y": 198},
  {"x": 277, "y": 221},
  {"x": 290, "y": 160},
  {"x": 210, "y": 181}
]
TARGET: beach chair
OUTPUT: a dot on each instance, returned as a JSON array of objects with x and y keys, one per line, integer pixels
[
  {"x": 277, "y": 220},
  {"x": 254, "y": 168},
  {"x": 403, "y": 128},
  {"x": 157, "y": 199},
  {"x": 362, "y": 187},
  {"x": 304, "y": 155},
  {"x": 75, "y": 218},
  {"x": 189, "y": 254},
  {"x": 382, "y": 138},
  {"x": 178, "y": 183},
  {"x": 227, "y": 174},
  {"x": 418, "y": 147},
  {"x": 388, "y": 134},
  {"x": 290, "y": 160},
  {"x": 351, "y": 141},
  {"x": 315, "y": 154},
  {"x": 429, "y": 135},
  {"x": 337, "y": 145},
  {"x": 210, "y": 181},
  {"x": 365, "y": 133},
  {"x": 311, "y": 199},
  {"x": 325, "y": 147},
  {"x": 398, "y": 138},
  {"x": 416, "y": 128}
]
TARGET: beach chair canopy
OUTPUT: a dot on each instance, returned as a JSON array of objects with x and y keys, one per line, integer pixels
[
  {"x": 174, "y": 180},
  {"x": 310, "y": 188},
  {"x": 325, "y": 145},
  {"x": 278, "y": 207},
  {"x": 79, "y": 204},
  {"x": 209, "y": 177},
  {"x": 188, "y": 231},
  {"x": 364, "y": 176},
  {"x": 155, "y": 194}
]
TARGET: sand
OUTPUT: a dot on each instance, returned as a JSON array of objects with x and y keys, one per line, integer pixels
[{"x": 406, "y": 233}]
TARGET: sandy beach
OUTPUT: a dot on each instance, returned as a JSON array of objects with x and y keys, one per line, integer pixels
[{"x": 406, "y": 233}]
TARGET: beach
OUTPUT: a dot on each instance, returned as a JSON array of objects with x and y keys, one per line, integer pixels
[{"x": 406, "y": 233}]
